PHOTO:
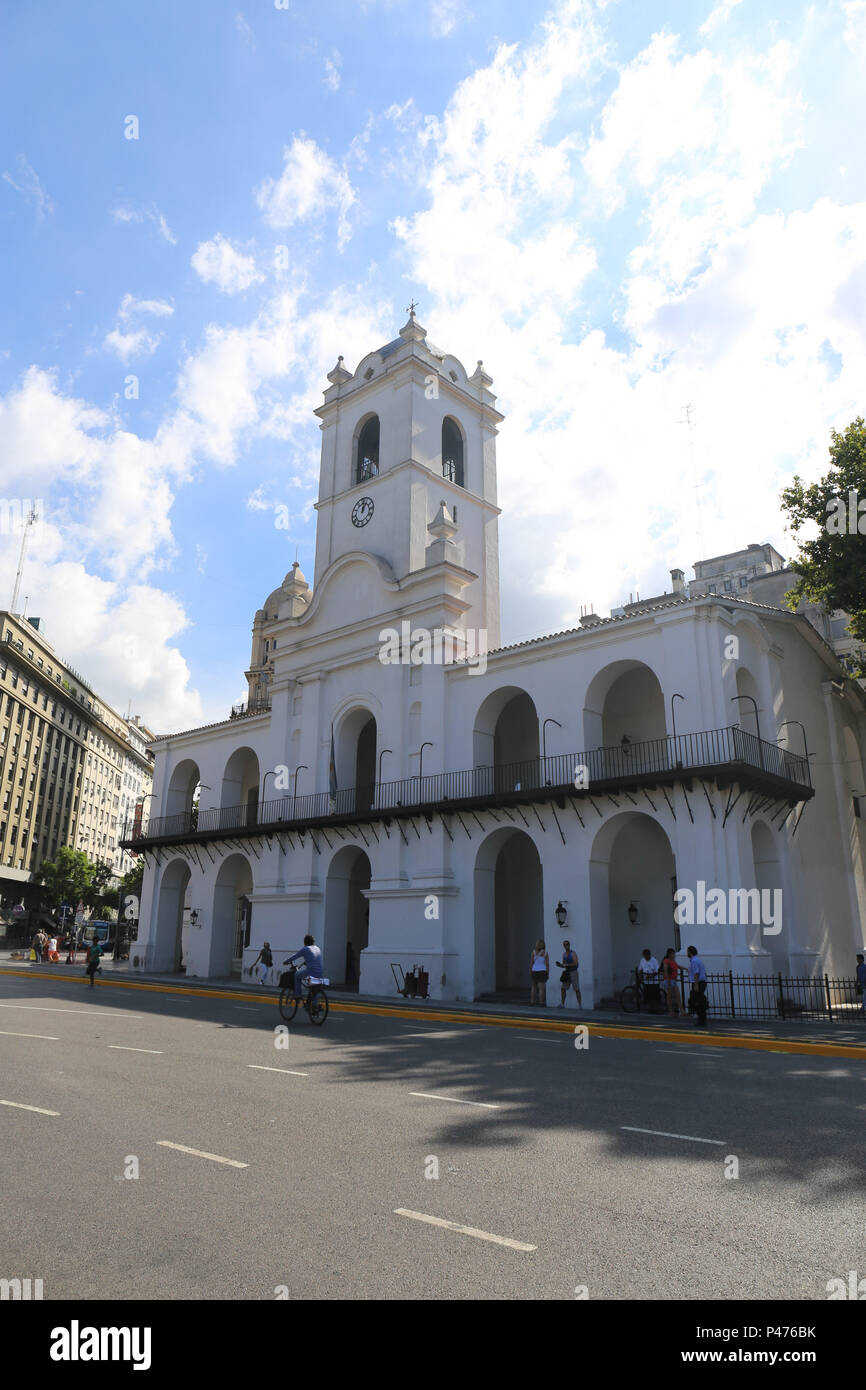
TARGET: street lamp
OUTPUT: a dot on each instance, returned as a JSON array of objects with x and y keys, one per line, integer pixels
[
  {"x": 802, "y": 730},
  {"x": 757, "y": 723},
  {"x": 427, "y": 744},
  {"x": 675, "y": 696},
  {"x": 560, "y": 912},
  {"x": 544, "y": 741},
  {"x": 632, "y": 913},
  {"x": 302, "y": 767}
]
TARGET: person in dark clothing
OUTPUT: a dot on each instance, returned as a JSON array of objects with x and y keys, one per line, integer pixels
[
  {"x": 94, "y": 956},
  {"x": 267, "y": 962},
  {"x": 698, "y": 978}
]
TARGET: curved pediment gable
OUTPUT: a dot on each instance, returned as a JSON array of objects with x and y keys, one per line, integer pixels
[{"x": 353, "y": 588}]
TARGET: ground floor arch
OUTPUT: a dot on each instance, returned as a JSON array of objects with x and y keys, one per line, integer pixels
[
  {"x": 168, "y": 949},
  {"x": 508, "y": 908},
  {"x": 347, "y": 915},
  {"x": 632, "y": 886},
  {"x": 231, "y": 916}
]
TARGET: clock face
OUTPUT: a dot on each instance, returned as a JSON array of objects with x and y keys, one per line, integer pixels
[{"x": 362, "y": 511}]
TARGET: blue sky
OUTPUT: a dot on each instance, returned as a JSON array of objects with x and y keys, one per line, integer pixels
[{"x": 621, "y": 207}]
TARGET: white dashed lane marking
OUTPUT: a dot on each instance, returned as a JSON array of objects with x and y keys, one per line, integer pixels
[
  {"x": 199, "y": 1153},
  {"x": 464, "y": 1230},
  {"x": 664, "y": 1134},
  {"x": 454, "y": 1100},
  {"x": 43, "y": 1036},
  {"x": 37, "y": 1110},
  {"x": 285, "y": 1070}
]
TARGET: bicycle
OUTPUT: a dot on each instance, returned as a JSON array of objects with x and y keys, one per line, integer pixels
[
  {"x": 315, "y": 1002},
  {"x": 636, "y": 997}
]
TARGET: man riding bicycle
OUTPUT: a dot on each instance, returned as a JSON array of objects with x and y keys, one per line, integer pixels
[{"x": 312, "y": 963}]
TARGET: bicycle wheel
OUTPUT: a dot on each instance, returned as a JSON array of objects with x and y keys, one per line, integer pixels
[
  {"x": 629, "y": 999},
  {"x": 318, "y": 1009},
  {"x": 288, "y": 1004}
]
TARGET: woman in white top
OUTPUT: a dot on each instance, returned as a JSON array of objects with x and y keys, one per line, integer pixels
[{"x": 539, "y": 970}]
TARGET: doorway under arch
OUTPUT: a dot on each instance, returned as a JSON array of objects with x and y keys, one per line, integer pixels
[
  {"x": 168, "y": 939},
  {"x": 231, "y": 918},
  {"x": 632, "y": 864},
  {"x": 347, "y": 915},
  {"x": 509, "y": 911}
]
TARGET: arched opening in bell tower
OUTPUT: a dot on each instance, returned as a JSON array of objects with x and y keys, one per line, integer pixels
[
  {"x": 367, "y": 462},
  {"x": 452, "y": 452}
]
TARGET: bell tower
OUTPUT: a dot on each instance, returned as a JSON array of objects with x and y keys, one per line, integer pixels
[{"x": 408, "y": 469}]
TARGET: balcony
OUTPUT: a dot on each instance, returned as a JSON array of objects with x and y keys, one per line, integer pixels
[
  {"x": 726, "y": 755},
  {"x": 244, "y": 709}
]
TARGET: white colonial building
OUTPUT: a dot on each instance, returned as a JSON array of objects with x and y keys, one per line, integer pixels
[{"x": 596, "y": 770}]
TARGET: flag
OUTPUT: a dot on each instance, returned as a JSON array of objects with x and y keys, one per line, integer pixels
[{"x": 332, "y": 769}]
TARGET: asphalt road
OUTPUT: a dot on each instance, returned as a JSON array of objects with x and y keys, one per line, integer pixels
[{"x": 551, "y": 1154}]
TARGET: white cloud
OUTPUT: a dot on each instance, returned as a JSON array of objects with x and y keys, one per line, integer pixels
[
  {"x": 129, "y": 341},
  {"x": 219, "y": 262},
  {"x": 855, "y": 27},
  {"x": 735, "y": 312},
  {"x": 332, "y": 71},
  {"x": 245, "y": 32},
  {"x": 129, "y": 306},
  {"x": 135, "y": 343},
  {"x": 310, "y": 185},
  {"x": 719, "y": 16},
  {"x": 444, "y": 15},
  {"x": 30, "y": 186},
  {"x": 128, "y": 213}
]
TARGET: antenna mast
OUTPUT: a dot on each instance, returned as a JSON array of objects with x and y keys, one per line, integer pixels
[{"x": 30, "y": 521}]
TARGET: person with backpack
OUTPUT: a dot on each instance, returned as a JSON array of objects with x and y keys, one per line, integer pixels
[{"x": 94, "y": 956}]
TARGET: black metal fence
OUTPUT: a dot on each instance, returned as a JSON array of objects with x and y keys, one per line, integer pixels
[
  {"x": 787, "y": 997},
  {"x": 703, "y": 752}
]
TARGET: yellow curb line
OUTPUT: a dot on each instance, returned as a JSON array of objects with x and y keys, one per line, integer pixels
[{"x": 601, "y": 1030}]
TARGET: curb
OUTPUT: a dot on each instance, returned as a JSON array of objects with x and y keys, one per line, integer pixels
[{"x": 602, "y": 1030}]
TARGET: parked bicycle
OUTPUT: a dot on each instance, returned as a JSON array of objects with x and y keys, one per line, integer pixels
[
  {"x": 315, "y": 1001},
  {"x": 644, "y": 995}
]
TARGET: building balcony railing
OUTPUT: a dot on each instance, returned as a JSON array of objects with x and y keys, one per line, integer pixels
[
  {"x": 731, "y": 754},
  {"x": 244, "y": 708}
]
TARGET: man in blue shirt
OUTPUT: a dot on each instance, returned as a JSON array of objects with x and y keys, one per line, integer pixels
[
  {"x": 698, "y": 980},
  {"x": 312, "y": 958}
]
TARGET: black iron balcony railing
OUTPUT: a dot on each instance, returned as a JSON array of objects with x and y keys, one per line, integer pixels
[{"x": 733, "y": 751}]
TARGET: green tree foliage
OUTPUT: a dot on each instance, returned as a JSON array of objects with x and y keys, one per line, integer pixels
[
  {"x": 72, "y": 877},
  {"x": 831, "y": 567}
]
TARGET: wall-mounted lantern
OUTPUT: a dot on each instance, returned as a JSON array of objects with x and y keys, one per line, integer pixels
[
  {"x": 633, "y": 913},
  {"x": 560, "y": 912}
]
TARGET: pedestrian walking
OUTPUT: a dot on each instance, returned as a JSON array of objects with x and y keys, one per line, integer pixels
[
  {"x": 36, "y": 945},
  {"x": 861, "y": 979},
  {"x": 671, "y": 972},
  {"x": 267, "y": 962},
  {"x": 52, "y": 949},
  {"x": 570, "y": 976},
  {"x": 539, "y": 971},
  {"x": 94, "y": 956},
  {"x": 698, "y": 979}
]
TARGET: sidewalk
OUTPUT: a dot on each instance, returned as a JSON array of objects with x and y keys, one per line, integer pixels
[{"x": 850, "y": 1031}]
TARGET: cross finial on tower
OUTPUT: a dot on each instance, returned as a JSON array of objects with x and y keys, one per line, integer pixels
[{"x": 411, "y": 310}]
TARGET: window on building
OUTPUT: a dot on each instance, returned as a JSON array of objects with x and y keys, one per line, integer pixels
[
  {"x": 711, "y": 589},
  {"x": 728, "y": 585}
]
